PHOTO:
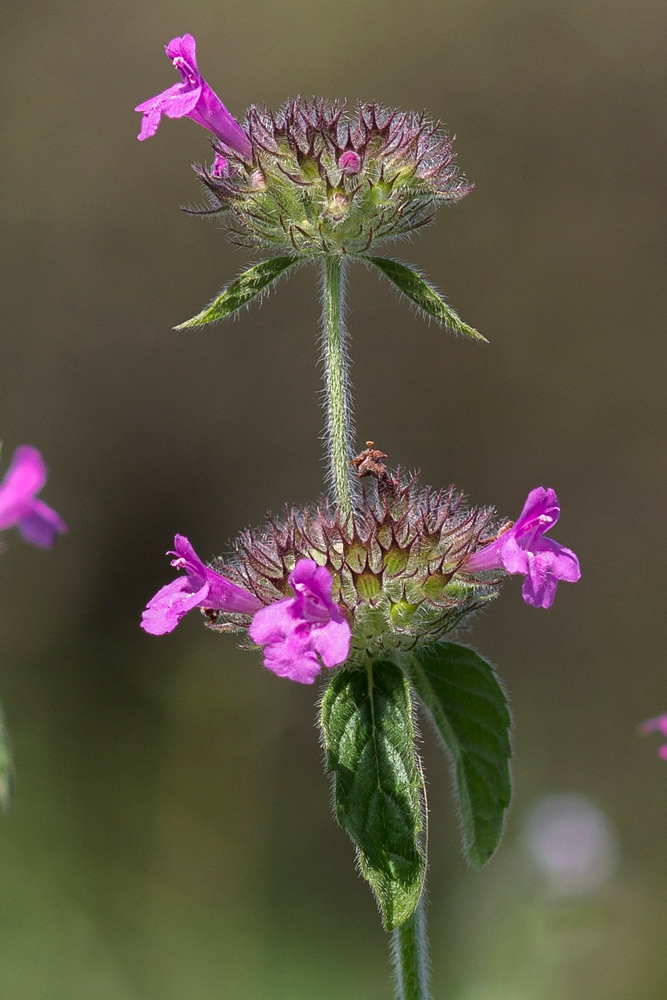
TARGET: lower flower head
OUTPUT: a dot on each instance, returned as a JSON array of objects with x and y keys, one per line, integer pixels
[
  {"x": 523, "y": 549},
  {"x": 19, "y": 504},
  {"x": 385, "y": 578}
]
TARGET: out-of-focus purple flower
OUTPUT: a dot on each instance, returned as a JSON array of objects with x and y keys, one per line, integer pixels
[
  {"x": 523, "y": 549},
  {"x": 201, "y": 587},
  {"x": 19, "y": 504},
  {"x": 302, "y": 632},
  {"x": 657, "y": 725},
  {"x": 193, "y": 98}
]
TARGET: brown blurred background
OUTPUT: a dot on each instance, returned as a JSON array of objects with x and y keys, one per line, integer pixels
[{"x": 171, "y": 834}]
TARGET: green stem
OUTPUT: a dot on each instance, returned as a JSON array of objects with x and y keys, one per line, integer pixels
[
  {"x": 338, "y": 405},
  {"x": 409, "y": 949}
]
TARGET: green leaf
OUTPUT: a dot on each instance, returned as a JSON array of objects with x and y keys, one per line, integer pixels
[
  {"x": 6, "y": 765},
  {"x": 469, "y": 710},
  {"x": 423, "y": 295},
  {"x": 242, "y": 290},
  {"x": 369, "y": 736}
]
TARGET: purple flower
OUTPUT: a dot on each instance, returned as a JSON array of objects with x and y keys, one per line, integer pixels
[
  {"x": 19, "y": 505},
  {"x": 522, "y": 549},
  {"x": 300, "y": 630},
  {"x": 201, "y": 587},
  {"x": 193, "y": 98},
  {"x": 658, "y": 724}
]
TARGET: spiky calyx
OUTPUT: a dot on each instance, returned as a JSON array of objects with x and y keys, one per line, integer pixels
[
  {"x": 324, "y": 181},
  {"x": 396, "y": 563}
]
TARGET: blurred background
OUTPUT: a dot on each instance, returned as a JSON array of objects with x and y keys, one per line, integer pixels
[{"x": 171, "y": 834}]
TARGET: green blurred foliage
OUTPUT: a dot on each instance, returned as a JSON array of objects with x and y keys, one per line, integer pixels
[{"x": 171, "y": 833}]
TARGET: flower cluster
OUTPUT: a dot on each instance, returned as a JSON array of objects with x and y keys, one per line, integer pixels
[
  {"x": 407, "y": 567},
  {"x": 19, "y": 504},
  {"x": 313, "y": 179}
]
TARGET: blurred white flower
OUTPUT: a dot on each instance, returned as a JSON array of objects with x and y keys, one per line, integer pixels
[{"x": 572, "y": 843}]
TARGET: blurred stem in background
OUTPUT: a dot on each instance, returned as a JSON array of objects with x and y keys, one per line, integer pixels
[
  {"x": 409, "y": 952},
  {"x": 339, "y": 428}
]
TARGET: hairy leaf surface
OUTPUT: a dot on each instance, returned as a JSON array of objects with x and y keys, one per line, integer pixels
[
  {"x": 242, "y": 291},
  {"x": 469, "y": 710},
  {"x": 423, "y": 295},
  {"x": 366, "y": 719}
]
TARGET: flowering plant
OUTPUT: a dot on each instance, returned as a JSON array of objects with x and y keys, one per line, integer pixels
[{"x": 374, "y": 579}]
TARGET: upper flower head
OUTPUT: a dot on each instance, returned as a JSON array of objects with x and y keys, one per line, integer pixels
[
  {"x": 658, "y": 724},
  {"x": 302, "y": 632},
  {"x": 325, "y": 180},
  {"x": 193, "y": 98},
  {"x": 19, "y": 504},
  {"x": 200, "y": 587},
  {"x": 523, "y": 549}
]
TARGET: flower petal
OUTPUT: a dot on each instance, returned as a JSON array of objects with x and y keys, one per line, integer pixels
[
  {"x": 170, "y": 604},
  {"x": 149, "y": 123},
  {"x": 222, "y": 593},
  {"x": 514, "y": 558},
  {"x": 541, "y": 505},
  {"x": 539, "y": 586},
  {"x": 332, "y": 642},
  {"x": 227, "y": 596},
  {"x": 273, "y": 623},
  {"x": 187, "y": 559},
  {"x": 564, "y": 563},
  {"x": 486, "y": 558},
  {"x": 657, "y": 724},
  {"x": 183, "y": 47},
  {"x": 41, "y": 524},
  {"x": 24, "y": 478},
  {"x": 293, "y": 659}
]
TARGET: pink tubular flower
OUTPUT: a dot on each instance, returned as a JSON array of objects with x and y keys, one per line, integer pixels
[
  {"x": 19, "y": 504},
  {"x": 193, "y": 98},
  {"x": 201, "y": 587},
  {"x": 523, "y": 549},
  {"x": 657, "y": 725},
  {"x": 299, "y": 630}
]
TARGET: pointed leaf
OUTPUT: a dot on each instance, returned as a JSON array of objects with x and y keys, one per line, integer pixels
[
  {"x": 242, "y": 291},
  {"x": 469, "y": 710},
  {"x": 368, "y": 731},
  {"x": 423, "y": 295}
]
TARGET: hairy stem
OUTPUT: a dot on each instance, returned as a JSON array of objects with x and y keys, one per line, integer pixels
[
  {"x": 409, "y": 952},
  {"x": 338, "y": 405}
]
